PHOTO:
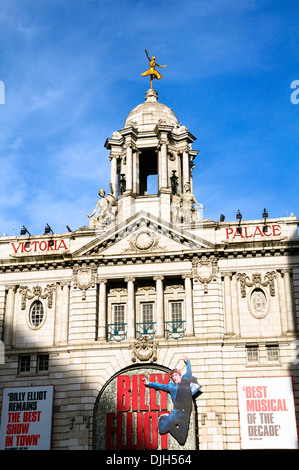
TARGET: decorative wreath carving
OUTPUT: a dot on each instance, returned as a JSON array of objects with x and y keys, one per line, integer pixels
[
  {"x": 144, "y": 349},
  {"x": 143, "y": 240}
]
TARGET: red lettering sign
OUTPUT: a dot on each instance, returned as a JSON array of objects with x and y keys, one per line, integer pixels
[
  {"x": 253, "y": 232},
  {"x": 134, "y": 425},
  {"x": 39, "y": 245}
]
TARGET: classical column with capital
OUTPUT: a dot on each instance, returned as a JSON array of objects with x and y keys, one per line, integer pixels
[
  {"x": 288, "y": 289},
  {"x": 163, "y": 165},
  {"x": 159, "y": 306},
  {"x": 129, "y": 168},
  {"x": 9, "y": 315},
  {"x": 65, "y": 312},
  {"x": 113, "y": 178},
  {"x": 102, "y": 309},
  {"x": 189, "y": 304},
  {"x": 130, "y": 307},
  {"x": 186, "y": 167},
  {"x": 228, "y": 303}
]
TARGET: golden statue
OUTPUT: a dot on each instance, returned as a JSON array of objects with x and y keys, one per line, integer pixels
[{"x": 152, "y": 71}]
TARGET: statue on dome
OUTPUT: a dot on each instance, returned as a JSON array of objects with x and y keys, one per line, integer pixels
[
  {"x": 152, "y": 71},
  {"x": 108, "y": 207}
]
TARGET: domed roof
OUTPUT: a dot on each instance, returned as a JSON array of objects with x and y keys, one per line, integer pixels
[{"x": 147, "y": 115}]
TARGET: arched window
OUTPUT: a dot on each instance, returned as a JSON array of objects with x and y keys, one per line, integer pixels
[{"x": 36, "y": 314}]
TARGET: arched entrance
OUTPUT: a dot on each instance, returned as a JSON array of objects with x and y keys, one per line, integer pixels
[{"x": 126, "y": 412}]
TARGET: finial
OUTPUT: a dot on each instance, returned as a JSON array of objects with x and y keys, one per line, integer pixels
[{"x": 152, "y": 71}]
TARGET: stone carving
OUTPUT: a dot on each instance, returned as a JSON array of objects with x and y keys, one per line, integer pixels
[
  {"x": 108, "y": 207},
  {"x": 84, "y": 277},
  {"x": 258, "y": 303},
  {"x": 182, "y": 206},
  {"x": 205, "y": 271},
  {"x": 144, "y": 349},
  {"x": 37, "y": 292},
  {"x": 256, "y": 280},
  {"x": 144, "y": 240}
]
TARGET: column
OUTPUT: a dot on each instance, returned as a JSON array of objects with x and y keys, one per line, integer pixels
[
  {"x": 102, "y": 309},
  {"x": 159, "y": 306},
  {"x": 286, "y": 273},
  {"x": 113, "y": 178},
  {"x": 9, "y": 315},
  {"x": 136, "y": 171},
  {"x": 65, "y": 312},
  {"x": 189, "y": 304},
  {"x": 129, "y": 172},
  {"x": 186, "y": 170},
  {"x": 130, "y": 307},
  {"x": 228, "y": 304},
  {"x": 282, "y": 303},
  {"x": 164, "y": 172}
]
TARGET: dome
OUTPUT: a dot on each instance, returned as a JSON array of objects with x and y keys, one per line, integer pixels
[{"x": 147, "y": 115}]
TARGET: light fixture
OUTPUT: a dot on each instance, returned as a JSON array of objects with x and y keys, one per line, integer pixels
[
  {"x": 239, "y": 218},
  {"x": 222, "y": 218},
  {"x": 24, "y": 231},
  {"x": 265, "y": 216},
  {"x": 68, "y": 228},
  {"x": 48, "y": 229}
]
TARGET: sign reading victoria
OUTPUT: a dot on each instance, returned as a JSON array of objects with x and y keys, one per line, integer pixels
[{"x": 128, "y": 409}]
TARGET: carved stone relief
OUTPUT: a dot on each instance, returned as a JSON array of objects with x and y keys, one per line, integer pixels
[
  {"x": 205, "y": 271},
  {"x": 84, "y": 277},
  {"x": 144, "y": 349},
  {"x": 258, "y": 303},
  {"x": 37, "y": 292},
  {"x": 256, "y": 280},
  {"x": 144, "y": 240}
]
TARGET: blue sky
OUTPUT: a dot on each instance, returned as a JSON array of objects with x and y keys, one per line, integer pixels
[{"x": 72, "y": 73}]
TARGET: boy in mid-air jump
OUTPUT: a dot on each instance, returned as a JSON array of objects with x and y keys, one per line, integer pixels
[{"x": 181, "y": 392}]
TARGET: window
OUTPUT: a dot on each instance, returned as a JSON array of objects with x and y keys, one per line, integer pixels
[
  {"x": 175, "y": 327},
  {"x": 42, "y": 362},
  {"x": 36, "y": 314},
  {"x": 176, "y": 311},
  {"x": 147, "y": 312},
  {"x": 116, "y": 331},
  {"x": 252, "y": 353},
  {"x": 147, "y": 325},
  {"x": 24, "y": 364},
  {"x": 118, "y": 313},
  {"x": 272, "y": 352}
]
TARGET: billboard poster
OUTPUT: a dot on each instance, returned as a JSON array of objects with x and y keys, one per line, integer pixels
[
  {"x": 267, "y": 413},
  {"x": 26, "y": 419},
  {"x": 136, "y": 411}
]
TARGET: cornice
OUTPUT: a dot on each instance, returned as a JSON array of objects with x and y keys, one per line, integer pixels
[{"x": 223, "y": 251}]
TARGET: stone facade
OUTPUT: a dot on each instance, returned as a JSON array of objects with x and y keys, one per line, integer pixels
[{"x": 148, "y": 281}]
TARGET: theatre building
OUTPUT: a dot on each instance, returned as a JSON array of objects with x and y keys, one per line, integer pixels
[{"x": 145, "y": 286}]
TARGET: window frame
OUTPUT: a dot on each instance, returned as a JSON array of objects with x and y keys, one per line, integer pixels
[{"x": 31, "y": 322}]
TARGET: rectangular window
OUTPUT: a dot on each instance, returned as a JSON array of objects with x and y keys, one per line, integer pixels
[
  {"x": 24, "y": 364},
  {"x": 174, "y": 328},
  {"x": 147, "y": 312},
  {"x": 116, "y": 331},
  {"x": 42, "y": 362},
  {"x": 118, "y": 313},
  {"x": 252, "y": 353},
  {"x": 176, "y": 311},
  {"x": 272, "y": 352}
]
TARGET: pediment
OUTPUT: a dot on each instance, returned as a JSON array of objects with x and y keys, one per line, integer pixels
[{"x": 143, "y": 234}]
